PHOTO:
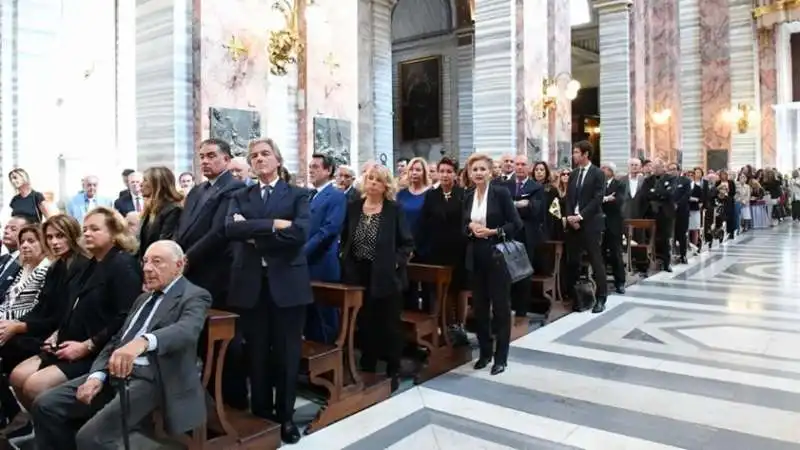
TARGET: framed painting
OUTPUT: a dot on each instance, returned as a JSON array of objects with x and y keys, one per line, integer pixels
[{"x": 420, "y": 99}]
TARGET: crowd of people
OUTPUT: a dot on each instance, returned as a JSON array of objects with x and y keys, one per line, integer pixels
[{"x": 101, "y": 292}]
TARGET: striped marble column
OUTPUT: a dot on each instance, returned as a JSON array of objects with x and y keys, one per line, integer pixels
[
  {"x": 559, "y": 58},
  {"x": 466, "y": 58},
  {"x": 382, "y": 115},
  {"x": 664, "y": 70},
  {"x": 366, "y": 105},
  {"x": 495, "y": 77},
  {"x": 743, "y": 81},
  {"x": 615, "y": 80},
  {"x": 164, "y": 93},
  {"x": 535, "y": 56},
  {"x": 638, "y": 77},
  {"x": 690, "y": 82},
  {"x": 715, "y": 73}
]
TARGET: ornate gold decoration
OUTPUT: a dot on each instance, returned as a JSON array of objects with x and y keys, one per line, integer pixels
[
  {"x": 661, "y": 116},
  {"x": 739, "y": 116},
  {"x": 236, "y": 48},
  {"x": 778, "y": 6},
  {"x": 551, "y": 90},
  {"x": 284, "y": 44}
]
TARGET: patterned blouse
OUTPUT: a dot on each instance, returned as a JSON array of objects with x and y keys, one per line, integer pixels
[
  {"x": 365, "y": 238},
  {"x": 23, "y": 294}
]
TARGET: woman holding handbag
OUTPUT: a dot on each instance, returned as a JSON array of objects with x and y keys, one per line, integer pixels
[{"x": 489, "y": 216}]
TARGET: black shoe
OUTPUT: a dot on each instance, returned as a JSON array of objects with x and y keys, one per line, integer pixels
[
  {"x": 619, "y": 289},
  {"x": 395, "y": 383},
  {"x": 481, "y": 363},
  {"x": 498, "y": 369},
  {"x": 290, "y": 434},
  {"x": 683, "y": 260},
  {"x": 667, "y": 269},
  {"x": 599, "y": 305}
]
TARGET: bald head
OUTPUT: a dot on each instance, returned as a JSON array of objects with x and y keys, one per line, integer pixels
[
  {"x": 521, "y": 169},
  {"x": 90, "y": 185},
  {"x": 634, "y": 166},
  {"x": 507, "y": 164},
  {"x": 239, "y": 168},
  {"x": 163, "y": 263}
]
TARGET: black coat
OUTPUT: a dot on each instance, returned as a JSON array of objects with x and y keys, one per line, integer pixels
[
  {"x": 500, "y": 214},
  {"x": 163, "y": 226}
]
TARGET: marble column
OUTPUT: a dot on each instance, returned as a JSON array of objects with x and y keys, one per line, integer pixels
[
  {"x": 615, "y": 80},
  {"x": 534, "y": 62},
  {"x": 715, "y": 73},
  {"x": 744, "y": 65},
  {"x": 768, "y": 94},
  {"x": 466, "y": 58},
  {"x": 382, "y": 114},
  {"x": 638, "y": 77},
  {"x": 164, "y": 93},
  {"x": 559, "y": 58},
  {"x": 664, "y": 68},
  {"x": 690, "y": 83}
]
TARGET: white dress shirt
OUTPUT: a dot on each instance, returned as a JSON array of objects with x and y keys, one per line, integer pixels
[
  {"x": 478, "y": 212},
  {"x": 152, "y": 341},
  {"x": 633, "y": 185}
]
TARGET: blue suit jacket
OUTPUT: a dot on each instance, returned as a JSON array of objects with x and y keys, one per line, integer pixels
[
  {"x": 328, "y": 209},
  {"x": 78, "y": 206},
  {"x": 255, "y": 239}
]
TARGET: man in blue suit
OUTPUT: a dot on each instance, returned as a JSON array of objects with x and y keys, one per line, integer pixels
[
  {"x": 86, "y": 200},
  {"x": 270, "y": 285},
  {"x": 328, "y": 208}
]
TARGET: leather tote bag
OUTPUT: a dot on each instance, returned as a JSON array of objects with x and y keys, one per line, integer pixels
[{"x": 516, "y": 259}]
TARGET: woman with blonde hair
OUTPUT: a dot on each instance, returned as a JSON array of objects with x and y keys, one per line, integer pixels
[
  {"x": 96, "y": 306},
  {"x": 27, "y": 202},
  {"x": 162, "y": 207},
  {"x": 376, "y": 246}
]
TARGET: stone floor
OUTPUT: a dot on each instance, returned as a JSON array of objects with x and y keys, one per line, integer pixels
[{"x": 707, "y": 357}]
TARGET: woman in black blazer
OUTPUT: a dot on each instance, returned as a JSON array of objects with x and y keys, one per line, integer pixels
[
  {"x": 162, "y": 208},
  {"x": 96, "y": 308},
  {"x": 376, "y": 247},
  {"x": 489, "y": 215}
]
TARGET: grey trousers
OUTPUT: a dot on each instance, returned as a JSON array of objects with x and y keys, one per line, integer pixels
[{"x": 61, "y": 422}]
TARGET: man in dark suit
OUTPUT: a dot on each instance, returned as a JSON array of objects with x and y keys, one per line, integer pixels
[
  {"x": 125, "y": 174},
  {"x": 528, "y": 197},
  {"x": 9, "y": 262},
  {"x": 683, "y": 190},
  {"x": 134, "y": 200},
  {"x": 658, "y": 203},
  {"x": 154, "y": 351},
  {"x": 613, "y": 202},
  {"x": 328, "y": 208},
  {"x": 632, "y": 183},
  {"x": 345, "y": 180},
  {"x": 584, "y": 220},
  {"x": 270, "y": 286}
]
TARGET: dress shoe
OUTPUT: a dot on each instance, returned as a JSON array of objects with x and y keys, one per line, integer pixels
[
  {"x": 683, "y": 260},
  {"x": 394, "y": 383},
  {"x": 498, "y": 369},
  {"x": 481, "y": 363},
  {"x": 599, "y": 305},
  {"x": 668, "y": 269},
  {"x": 290, "y": 434},
  {"x": 620, "y": 289}
]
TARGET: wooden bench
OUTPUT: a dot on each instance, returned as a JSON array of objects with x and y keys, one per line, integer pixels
[
  {"x": 428, "y": 329},
  {"x": 333, "y": 366},
  {"x": 551, "y": 282},
  {"x": 229, "y": 428},
  {"x": 648, "y": 226}
]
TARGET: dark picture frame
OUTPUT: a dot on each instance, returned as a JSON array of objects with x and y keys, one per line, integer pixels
[{"x": 420, "y": 98}]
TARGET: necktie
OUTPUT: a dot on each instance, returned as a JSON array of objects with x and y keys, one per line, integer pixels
[
  {"x": 265, "y": 193},
  {"x": 519, "y": 187},
  {"x": 313, "y": 193},
  {"x": 579, "y": 184},
  {"x": 144, "y": 314},
  {"x": 137, "y": 203}
]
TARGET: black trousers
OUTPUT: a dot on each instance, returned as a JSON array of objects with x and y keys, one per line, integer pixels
[
  {"x": 612, "y": 247},
  {"x": 796, "y": 210},
  {"x": 665, "y": 227},
  {"x": 682, "y": 231},
  {"x": 521, "y": 297},
  {"x": 379, "y": 326},
  {"x": 576, "y": 243},
  {"x": 272, "y": 342},
  {"x": 61, "y": 422},
  {"x": 491, "y": 296}
]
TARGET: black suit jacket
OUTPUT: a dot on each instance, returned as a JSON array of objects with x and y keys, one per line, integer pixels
[
  {"x": 8, "y": 275},
  {"x": 613, "y": 208},
  {"x": 696, "y": 192},
  {"x": 392, "y": 250},
  {"x": 589, "y": 199},
  {"x": 353, "y": 194},
  {"x": 659, "y": 196},
  {"x": 255, "y": 240},
  {"x": 163, "y": 226},
  {"x": 54, "y": 298},
  {"x": 500, "y": 214},
  {"x": 124, "y": 204},
  {"x": 532, "y": 233},
  {"x": 201, "y": 234},
  {"x": 105, "y": 293},
  {"x": 683, "y": 190}
]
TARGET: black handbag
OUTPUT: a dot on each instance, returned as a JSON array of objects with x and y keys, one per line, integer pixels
[{"x": 515, "y": 257}]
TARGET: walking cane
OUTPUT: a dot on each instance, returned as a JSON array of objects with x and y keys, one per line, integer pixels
[{"x": 124, "y": 401}]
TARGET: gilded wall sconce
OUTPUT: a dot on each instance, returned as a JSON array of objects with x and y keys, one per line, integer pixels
[
  {"x": 739, "y": 117},
  {"x": 552, "y": 89},
  {"x": 661, "y": 116},
  {"x": 284, "y": 43}
]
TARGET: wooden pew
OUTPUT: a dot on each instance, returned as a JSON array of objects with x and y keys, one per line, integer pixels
[
  {"x": 551, "y": 282},
  {"x": 229, "y": 428},
  {"x": 428, "y": 329},
  {"x": 649, "y": 248},
  {"x": 333, "y": 367}
]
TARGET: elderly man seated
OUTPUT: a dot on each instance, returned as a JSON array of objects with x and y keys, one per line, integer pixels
[{"x": 155, "y": 350}]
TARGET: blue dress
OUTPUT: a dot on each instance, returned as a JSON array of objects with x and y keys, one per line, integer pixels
[{"x": 412, "y": 207}]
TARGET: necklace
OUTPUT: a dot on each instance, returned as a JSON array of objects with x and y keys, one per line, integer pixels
[{"x": 447, "y": 195}]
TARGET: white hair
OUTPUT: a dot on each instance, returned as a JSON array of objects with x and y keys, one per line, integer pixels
[
  {"x": 239, "y": 159},
  {"x": 348, "y": 169},
  {"x": 175, "y": 249},
  {"x": 610, "y": 166}
]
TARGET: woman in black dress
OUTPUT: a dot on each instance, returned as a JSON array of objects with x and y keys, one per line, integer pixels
[
  {"x": 27, "y": 202},
  {"x": 162, "y": 207},
  {"x": 95, "y": 309},
  {"x": 441, "y": 235}
]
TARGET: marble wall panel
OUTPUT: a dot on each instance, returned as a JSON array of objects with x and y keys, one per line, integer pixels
[
  {"x": 615, "y": 82},
  {"x": 665, "y": 74},
  {"x": 768, "y": 94},
  {"x": 495, "y": 77},
  {"x": 560, "y": 62},
  {"x": 465, "y": 142},
  {"x": 638, "y": 76},
  {"x": 536, "y": 66},
  {"x": 715, "y": 69},
  {"x": 744, "y": 146},
  {"x": 363, "y": 126},
  {"x": 383, "y": 126},
  {"x": 690, "y": 82}
]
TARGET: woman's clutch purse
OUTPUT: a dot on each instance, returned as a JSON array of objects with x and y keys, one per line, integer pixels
[{"x": 555, "y": 209}]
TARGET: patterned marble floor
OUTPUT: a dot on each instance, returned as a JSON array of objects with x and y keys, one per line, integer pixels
[{"x": 707, "y": 357}]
